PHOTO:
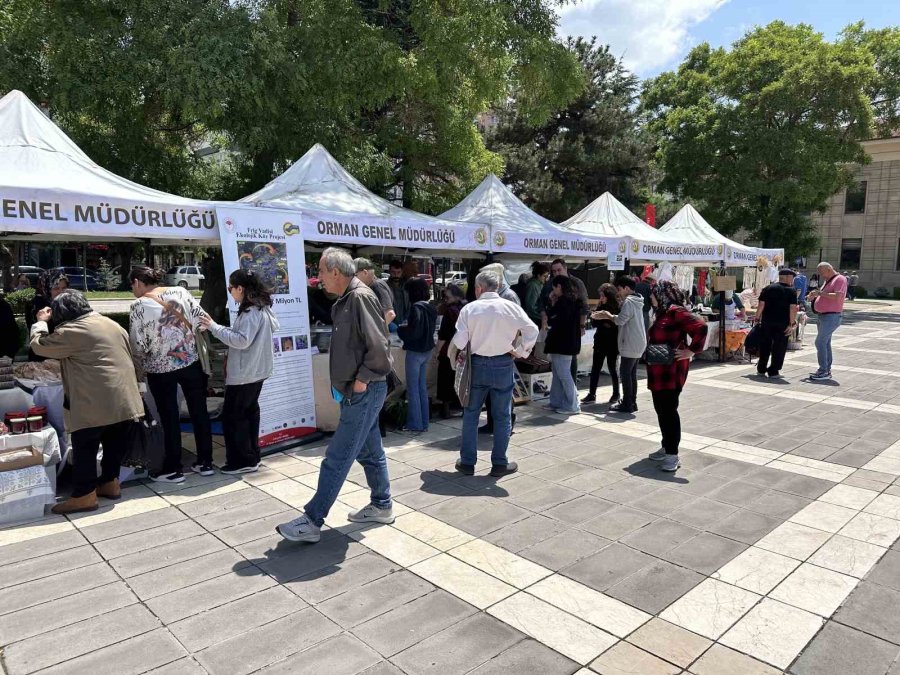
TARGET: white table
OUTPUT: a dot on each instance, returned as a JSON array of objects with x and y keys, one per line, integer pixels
[{"x": 25, "y": 492}]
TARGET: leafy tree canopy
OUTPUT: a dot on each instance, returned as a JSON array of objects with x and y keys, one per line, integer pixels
[
  {"x": 592, "y": 145},
  {"x": 763, "y": 133},
  {"x": 884, "y": 90},
  {"x": 391, "y": 87}
]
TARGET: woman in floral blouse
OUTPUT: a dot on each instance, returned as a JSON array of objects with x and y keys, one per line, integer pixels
[{"x": 673, "y": 326}]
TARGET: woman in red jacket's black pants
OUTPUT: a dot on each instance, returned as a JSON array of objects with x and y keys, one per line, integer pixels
[{"x": 673, "y": 326}]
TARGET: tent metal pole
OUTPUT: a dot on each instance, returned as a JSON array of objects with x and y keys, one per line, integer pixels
[{"x": 147, "y": 254}]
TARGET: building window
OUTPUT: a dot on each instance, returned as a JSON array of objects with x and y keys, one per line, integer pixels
[
  {"x": 855, "y": 201},
  {"x": 850, "y": 253}
]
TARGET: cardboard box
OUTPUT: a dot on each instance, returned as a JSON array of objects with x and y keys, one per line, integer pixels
[
  {"x": 20, "y": 458},
  {"x": 538, "y": 386},
  {"x": 726, "y": 283}
]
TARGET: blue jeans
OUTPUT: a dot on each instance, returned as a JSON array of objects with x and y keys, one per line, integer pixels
[
  {"x": 417, "y": 391},
  {"x": 356, "y": 438},
  {"x": 494, "y": 376},
  {"x": 563, "y": 393},
  {"x": 828, "y": 323}
]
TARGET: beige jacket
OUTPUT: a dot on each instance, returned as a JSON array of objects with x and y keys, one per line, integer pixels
[{"x": 98, "y": 372}]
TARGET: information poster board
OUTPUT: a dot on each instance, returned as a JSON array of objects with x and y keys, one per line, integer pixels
[{"x": 270, "y": 242}]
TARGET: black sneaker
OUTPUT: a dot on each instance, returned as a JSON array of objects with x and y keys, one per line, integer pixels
[
  {"x": 465, "y": 469},
  {"x": 760, "y": 373},
  {"x": 615, "y": 398},
  {"x": 204, "y": 469},
  {"x": 590, "y": 398},
  {"x": 235, "y": 470},
  {"x": 500, "y": 470},
  {"x": 176, "y": 477},
  {"x": 622, "y": 408}
]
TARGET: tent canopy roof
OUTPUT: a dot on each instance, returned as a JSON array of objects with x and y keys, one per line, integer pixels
[
  {"x": 690, "y": 227},
  {"x": 40, "y": 163},
  {"x": 323, "y": 190},
  {"x": 318, "y": 182},
  {"x": 494, "y": 204},
  {"x": 606, "y": 216}
]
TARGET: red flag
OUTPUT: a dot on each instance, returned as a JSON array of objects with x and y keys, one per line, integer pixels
[{"x": 650, "y": 211}]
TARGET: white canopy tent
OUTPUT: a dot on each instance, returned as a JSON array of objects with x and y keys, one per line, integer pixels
[
  {"x": 607, "y": 216},
  {"x": 51, "y": 191},
  {"x": 690, "y": 227},
  {"x": 336, "y": 208},
  {"x": 516, "y": 229}
]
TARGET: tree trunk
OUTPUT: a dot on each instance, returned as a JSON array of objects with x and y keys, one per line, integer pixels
[{"x": 407, "y": 177}]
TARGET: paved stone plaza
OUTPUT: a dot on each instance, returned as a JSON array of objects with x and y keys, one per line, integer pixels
[{"x": 773, "y": 549}]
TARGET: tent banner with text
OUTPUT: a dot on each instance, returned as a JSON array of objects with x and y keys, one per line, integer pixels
[
  {"x": 270, "y": 243},
  {"x": 369, "y": 230},
  {"x": 85, "y": 215},
  {"x": 555, "y": 244}
]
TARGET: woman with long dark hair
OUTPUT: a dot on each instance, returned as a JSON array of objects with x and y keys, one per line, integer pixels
[
  {"x": 162, "y": 324},
  {"x": 666, "y": 377},
  {"x": 250, "y": 363},
  {"x": 606, "y": 346},
  {"x": 418, "y": 341},
  {"x": 453, "y": 302},
  {"x": 563, "y": 342}
]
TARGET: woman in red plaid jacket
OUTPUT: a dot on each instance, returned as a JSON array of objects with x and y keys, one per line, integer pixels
[{"x": 673, "y": 325}]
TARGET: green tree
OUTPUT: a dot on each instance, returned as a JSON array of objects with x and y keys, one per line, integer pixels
[
  {"x": 884, "y": 91},
  {"x": 136, "y": 84},
  {"x": 763, "y": 134},
  {"x": 592, "y": 145},
  {"x": 456, "y": 60}
]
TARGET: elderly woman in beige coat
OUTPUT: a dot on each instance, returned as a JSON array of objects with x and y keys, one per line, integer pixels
[{"x": 101, "y": 393}]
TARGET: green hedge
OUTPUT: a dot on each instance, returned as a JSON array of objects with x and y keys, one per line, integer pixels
[
  {"x": 20, "y": 301},
  {"x": 861, "y": 292}
]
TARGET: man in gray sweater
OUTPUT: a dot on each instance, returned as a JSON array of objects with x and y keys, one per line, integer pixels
[
  {"x": 359, "y": 362},
  {"x": 632, "y": 341}
]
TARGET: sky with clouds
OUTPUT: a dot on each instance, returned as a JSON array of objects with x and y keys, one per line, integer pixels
[{"x": 654, "y": 35}]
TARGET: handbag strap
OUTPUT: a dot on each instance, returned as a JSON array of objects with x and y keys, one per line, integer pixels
[{"x": 178, "y": 313}]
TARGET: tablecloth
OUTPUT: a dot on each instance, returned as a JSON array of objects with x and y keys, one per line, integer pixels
[{"x": 25, "y": 492}]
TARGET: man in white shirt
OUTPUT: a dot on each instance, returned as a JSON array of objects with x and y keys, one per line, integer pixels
[{"x": 496, "y": 331}]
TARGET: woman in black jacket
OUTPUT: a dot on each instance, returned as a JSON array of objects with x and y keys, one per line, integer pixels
[
  {"x": 563, "y": 342},
  {"x": 606, "y": 346},
  {"x": 418, "y": 341}
]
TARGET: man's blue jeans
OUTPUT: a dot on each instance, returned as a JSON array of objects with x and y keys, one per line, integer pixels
[
  {"x": 827, "y": 324},
  {"x": 417, "y": 390},
  {"x": 356, "y": 438},
  {"x": 491, "y": 376}
]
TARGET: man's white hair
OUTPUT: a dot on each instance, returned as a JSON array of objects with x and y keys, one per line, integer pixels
[
  {"x": 338, "y": 259},
  {"x": 488, "y": 282},
  {"x": 825, "y": 266}
]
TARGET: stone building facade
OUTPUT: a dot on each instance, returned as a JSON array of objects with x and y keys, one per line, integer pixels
[{"x": 860, "y": 228}]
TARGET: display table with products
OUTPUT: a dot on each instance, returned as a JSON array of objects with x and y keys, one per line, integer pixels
[{"x": 328, "y": 411}]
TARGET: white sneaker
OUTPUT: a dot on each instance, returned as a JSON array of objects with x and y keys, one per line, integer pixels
[
  {"x": 235, "y": 471},
  {"x": 670, "y": 463},
  {"x": 176, "y": 477},
  {"x": 657, "y": 456},
  {"x": 300, "y": 529},
  {"x": 371, "y": 514}
]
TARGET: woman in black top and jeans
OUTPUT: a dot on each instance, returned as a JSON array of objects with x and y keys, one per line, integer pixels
[
  {"x": 563, "y": 342},
  {"x": 418, "y": 341},
  {"x": 606, "y": 347}
]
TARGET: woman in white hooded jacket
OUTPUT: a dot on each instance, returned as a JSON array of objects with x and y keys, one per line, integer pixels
[{"x": 250, "y": 363}]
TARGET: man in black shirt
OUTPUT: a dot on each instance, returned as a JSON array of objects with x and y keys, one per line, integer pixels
[
  {"x": 366, "y": 273},
  {"x": 777, "y": 316}
]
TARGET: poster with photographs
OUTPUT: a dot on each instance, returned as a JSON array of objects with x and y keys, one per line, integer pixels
[{"x": 269, "y": 242}]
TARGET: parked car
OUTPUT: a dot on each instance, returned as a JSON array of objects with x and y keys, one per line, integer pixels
[
  {"x": 79, "y": 279},
  {"x": 186, "y": 276},
  {"x": 33, "y": 273}
]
